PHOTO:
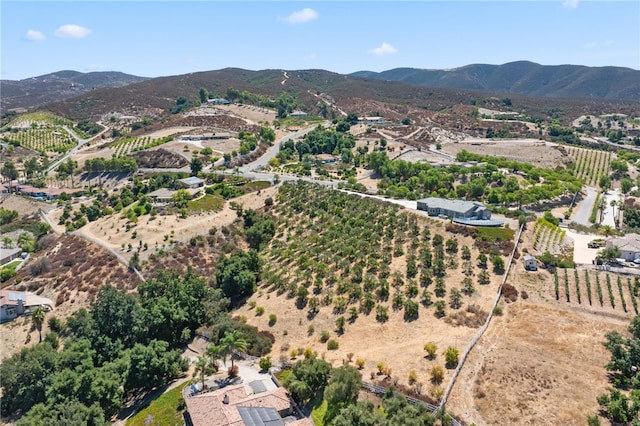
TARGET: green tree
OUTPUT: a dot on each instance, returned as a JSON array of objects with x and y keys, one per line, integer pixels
[
  {"x": 231, "y": 342},
  {"x": 431, "y": 349},
  {"x": 153, "y": 365},
  {"x": 37, "y": 317},
  {"x": 498, "y": 264},
  {"x": 308, "y": 376},
  {"x": 343, "y": 386},
  {"x": 609, "y": 254},
  {"x": 204, "y": 95},
  {"x": 196, "y": 165}
]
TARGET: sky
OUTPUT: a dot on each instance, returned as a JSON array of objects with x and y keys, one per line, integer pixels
[{"x": 161, "y": 38}]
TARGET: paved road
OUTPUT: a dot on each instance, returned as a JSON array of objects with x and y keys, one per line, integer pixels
[
  {"x": 584, "y": 210},
  {"x": 80, "y": 141}
]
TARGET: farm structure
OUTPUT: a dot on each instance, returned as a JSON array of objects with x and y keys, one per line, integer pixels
[
  {"x": 530, "y": 263},
  {"x": 206, "y": 137},
  {"x": 629, "y": 246}
]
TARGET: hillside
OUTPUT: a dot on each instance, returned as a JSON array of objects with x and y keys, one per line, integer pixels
[
  {"x": 36, "y": 91},
  {"x": 523, "y": 77},
  {"x": 395, "y": 100}
]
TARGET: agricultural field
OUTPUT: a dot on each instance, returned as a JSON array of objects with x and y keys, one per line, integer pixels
[
  {"x": 43, "y": 139},
  {"x": 548, "y": 237},
  {"x": 350, "y": 276},
  {"x": 590, "y": 164},
  {"x": 129, "y": 145}
]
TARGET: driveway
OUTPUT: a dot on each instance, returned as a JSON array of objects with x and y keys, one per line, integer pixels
[
  {"x": 581, "y": 253},
  {"x": 610, "y": 212},
  {"x": 585, "y": 207}
]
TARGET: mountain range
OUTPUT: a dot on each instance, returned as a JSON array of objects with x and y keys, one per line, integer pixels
[
  {"x": 524, "y": 77},
  {"x": 41, "y": 90},
  {"x": 532, "y": 87}
]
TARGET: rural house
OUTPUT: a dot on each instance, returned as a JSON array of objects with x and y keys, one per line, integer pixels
[
  {"x": 460, "y": 211},
  {"x": 629, "y": 246},
  {"x": 192, "y": 182},
  {"x": 239, "y": 405},
  {"x": 530, "y": 263},
  {"x": 8, "y": 254},
  {"x": 16, "y": 303}
]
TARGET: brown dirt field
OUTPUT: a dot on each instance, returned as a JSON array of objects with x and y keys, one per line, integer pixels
[
  {"x": 535, "y": 365},
  {"x": 23, "y": 205},
  {"x": 533, "y": 151}
]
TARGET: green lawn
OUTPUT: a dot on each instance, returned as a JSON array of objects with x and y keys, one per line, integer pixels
[
  {"x": 495, "y": 234},
  {"x": 12, "y": 265},
  {"x": 162, "y": 411},
  {"x": 207, "y": 203}
]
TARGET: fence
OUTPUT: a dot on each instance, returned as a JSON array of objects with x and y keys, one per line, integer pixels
[{"x": 483, "y": 328}]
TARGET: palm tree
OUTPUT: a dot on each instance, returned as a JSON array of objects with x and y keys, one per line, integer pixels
[
  {"x": 613, "y": 205},
  {"x": 37, "y": 318},
  {"x": 607, "y": 230},
  {"x": 602, "y": 204},
  {"x": 213, "y": 352},
  {"x": 232, "y": 341},
  {"x": 201, "y": 369}
]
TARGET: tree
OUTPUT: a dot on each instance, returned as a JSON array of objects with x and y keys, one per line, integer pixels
[
  {"x": 482, "y": 261},
  {"x": 609, "y": 254},
  {"x": 344, "y": 385},
  {"x": 231, "y": 342},
  {"x": 204, "y": 95},
  {"x": 605, "y": 182},
  {"x": 498, "y": 264},
  {"x": 361, "y": 414},
  {"x": 37, "y": 317},
  {"x": 307, "y": 377},
  {"x": 625, "y": 185},
  {"x": 9, "y": 171},
  {"x": 196, "y": 165}
]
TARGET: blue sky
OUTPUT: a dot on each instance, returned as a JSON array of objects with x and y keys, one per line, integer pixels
[{"x": 159, "y": 38}]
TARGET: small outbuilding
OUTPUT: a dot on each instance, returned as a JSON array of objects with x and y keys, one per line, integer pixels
[{"x": 530, "y": 262}]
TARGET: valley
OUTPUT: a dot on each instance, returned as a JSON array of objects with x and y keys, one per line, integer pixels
[{"x": 303, "y": 224}]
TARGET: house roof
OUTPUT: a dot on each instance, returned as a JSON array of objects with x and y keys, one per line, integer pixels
[
  {"x": 528, "y": 257},
  {"x": 209, "y": 408},
  {"x": 8, "y": 297},
  {"x": 162, "y": 193},
  {"x": 458, "y": 206},
  {"x": 630, "y": 242},
  {"x": 5, "y": 252},
  {"x": 193, "y": 180},
  {"x": 260, "y": 416}
]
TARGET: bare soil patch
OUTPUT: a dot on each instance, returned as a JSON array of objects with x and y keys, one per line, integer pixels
[
  {"x": 531, "y": 151},
  {"x": 159, "y": 158},
  {"x": 535, "y": 365}
]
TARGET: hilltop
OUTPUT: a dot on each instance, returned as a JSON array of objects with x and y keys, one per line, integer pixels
[
  {"x": 57, "y": 86},
  {"x": 524, "y": 77}
]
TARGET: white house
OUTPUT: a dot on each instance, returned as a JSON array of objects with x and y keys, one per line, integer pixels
[
  {"x": 16, "y": 303},
  {"x": 629, "y": 246}
]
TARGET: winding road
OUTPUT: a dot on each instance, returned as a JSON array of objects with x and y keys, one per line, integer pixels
[{"x": 80, "y": 142}]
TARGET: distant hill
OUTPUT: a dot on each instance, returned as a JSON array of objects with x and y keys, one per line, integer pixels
[
  {"x": 36, "y": 91},
  {"x": 155, "y": 97},
  {"x": 523, "y": 77}
]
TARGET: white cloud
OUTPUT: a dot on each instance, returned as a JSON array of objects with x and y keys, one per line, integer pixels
[
  {"x": 570, "y": 4},
  {"x": 72, "y": 31},
  {"x": 598, "y": 44},
  {"x": 302, "y": 16},
  {"x": 34, "y": 35},
  {"x": 384, "y": 49}
]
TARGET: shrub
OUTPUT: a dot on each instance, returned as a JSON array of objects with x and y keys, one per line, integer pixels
[
  {"x": 233, "y": 371},
  {"x": 272, "y": 320},
  {"x": 259, "y": 311},
  {"x": 497, "y": 311},
  {"x": 324, "y": 336},
  {"x": 437, "y": 374},
  {"x": 360, "y": 363},
  {"x": 431, "y": 349},
  {"x": 310, "y": 329},
  {"x": 413, "y": 376},
  {"x": 55, "y": 324},
  {"x": 332, "y": 345},
  {"x": 451, "y": 357},
  {"x": 265, "y": 363}
]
